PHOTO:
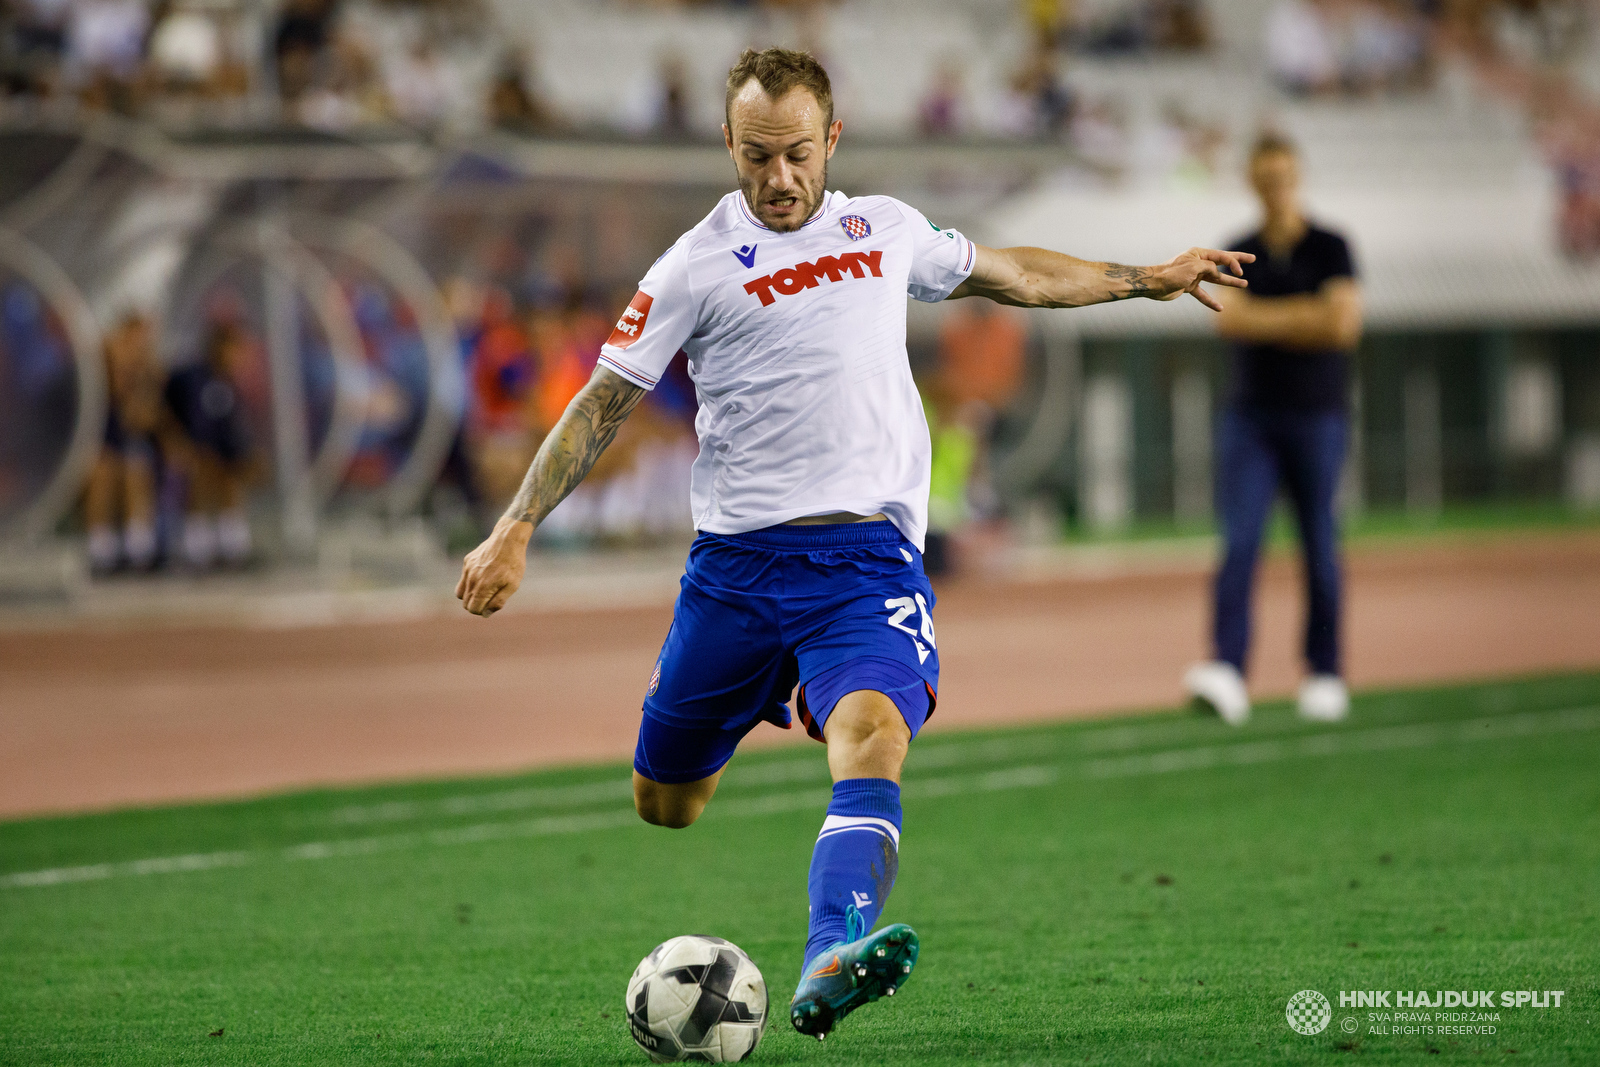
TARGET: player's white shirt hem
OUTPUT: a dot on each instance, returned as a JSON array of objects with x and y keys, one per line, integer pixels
[{"x": 796, "y": 345}]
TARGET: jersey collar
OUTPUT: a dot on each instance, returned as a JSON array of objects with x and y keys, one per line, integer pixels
[{"x": 822, "y": 212}]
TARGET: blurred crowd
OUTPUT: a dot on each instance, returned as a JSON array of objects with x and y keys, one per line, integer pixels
[
  {"x": 1525, "y": 51},
  {"x": 187, "y": 437},
  {"x": 445, "y": 64},
  {"x": 526, "y": 356},
  {"x": 178, "y": 453},
  {"x": 1360, "y": 47},
  {"x": 969, "y": 394},
  {"x": 325, "y": 64},
  {"x": 430, "y": 64}
]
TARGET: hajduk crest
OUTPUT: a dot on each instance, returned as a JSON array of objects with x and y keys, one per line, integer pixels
[{"x": 856, "y": 227}]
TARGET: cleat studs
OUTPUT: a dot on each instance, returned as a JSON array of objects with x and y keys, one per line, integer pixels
[
  {"x": 888, "y": 990},
  {"x": 821, "y": 1036},
  {"x": 879, "y": 953},
  {"x": 905, "y": 968}
]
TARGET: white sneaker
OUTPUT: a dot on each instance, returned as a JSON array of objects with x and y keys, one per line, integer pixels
[
  {"x": 1221, "y": 686},
  {"x": 1323, "y": 698}
]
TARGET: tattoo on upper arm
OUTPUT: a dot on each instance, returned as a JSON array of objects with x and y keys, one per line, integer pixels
[
  {"x": 570, "y": 449},
  {"x": 1136, "y": 278}
]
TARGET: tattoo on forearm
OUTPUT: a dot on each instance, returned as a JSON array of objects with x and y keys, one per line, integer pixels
[
  {"x": 1137, "y": 279},
  {"x": 570, "y": 449}
]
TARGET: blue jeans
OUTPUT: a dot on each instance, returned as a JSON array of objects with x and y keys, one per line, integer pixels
[{"x": 1257, "y": 452}]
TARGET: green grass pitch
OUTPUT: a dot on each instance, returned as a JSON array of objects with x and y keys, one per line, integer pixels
[{"x": 1146, "y": 890}]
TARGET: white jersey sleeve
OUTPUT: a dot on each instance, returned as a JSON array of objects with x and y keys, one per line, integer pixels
[
  {"x": 940, "y": 259},
  {"x": 661, "y": 317}
]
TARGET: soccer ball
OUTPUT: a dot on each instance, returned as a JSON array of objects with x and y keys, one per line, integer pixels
[{"x": 697, "y": 998}]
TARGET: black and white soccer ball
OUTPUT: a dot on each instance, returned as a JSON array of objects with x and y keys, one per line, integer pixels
[{"x": 697, "y": 998}]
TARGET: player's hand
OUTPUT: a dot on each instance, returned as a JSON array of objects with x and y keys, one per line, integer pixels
[
  {"x": 493, "y": 571},
  {"x": 1184, "y": 272}
]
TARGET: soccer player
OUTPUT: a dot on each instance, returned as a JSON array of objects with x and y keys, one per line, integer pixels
[
  {"x": 810, "y": 492},
  {"x": 1286, "y": 425}
]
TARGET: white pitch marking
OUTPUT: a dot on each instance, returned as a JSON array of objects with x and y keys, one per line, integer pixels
[
  {"x": 1344, "y": 742},
  {"x": 930, "y": 756}
]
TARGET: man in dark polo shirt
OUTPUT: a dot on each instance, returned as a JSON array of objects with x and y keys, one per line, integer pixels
[{"x": 1286, "y": 425}]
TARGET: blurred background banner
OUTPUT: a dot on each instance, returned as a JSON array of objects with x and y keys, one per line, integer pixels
[{"x": 285, "y": 283}]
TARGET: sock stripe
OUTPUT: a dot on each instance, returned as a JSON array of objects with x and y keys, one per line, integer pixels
[{"x": 834, "y": 824}]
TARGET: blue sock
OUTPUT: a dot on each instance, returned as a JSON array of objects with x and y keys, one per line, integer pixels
[{"x": 856, "y": 858}]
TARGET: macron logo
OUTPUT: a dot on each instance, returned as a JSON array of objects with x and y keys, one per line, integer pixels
[
  {"x": 790, "y": 280},
  {"x": 745, "y": 254}
]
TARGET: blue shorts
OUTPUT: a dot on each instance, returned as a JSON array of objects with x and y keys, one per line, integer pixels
[{"x": 835, "y": 608}]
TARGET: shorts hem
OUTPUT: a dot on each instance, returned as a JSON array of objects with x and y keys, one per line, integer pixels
[
  {"x": 871, "y": 681},
  {"x": 676, "y": 777}
]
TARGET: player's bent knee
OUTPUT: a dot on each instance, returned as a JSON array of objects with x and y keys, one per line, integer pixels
[
  {"x": 673, "y": 806},
  {"x": 669, "y": 816},
  {"x": 867, "y": 737},
  {"x": 866, "y": 717}
]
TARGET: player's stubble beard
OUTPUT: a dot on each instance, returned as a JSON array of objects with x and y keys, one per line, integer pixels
[{"x": 811, "y": 201}]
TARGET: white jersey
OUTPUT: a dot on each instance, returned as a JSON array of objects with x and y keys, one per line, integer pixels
[{"x": 797, "y": 347}]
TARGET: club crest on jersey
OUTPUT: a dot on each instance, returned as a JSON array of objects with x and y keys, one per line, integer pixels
[
  {"x": 746, "y": 254},
  {"x": 856, "y": 227},
  {"x": 655, "y": 681},
  {"x": 791, "y": 280}
]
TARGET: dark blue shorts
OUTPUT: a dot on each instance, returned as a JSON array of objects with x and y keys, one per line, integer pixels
[{"x": 832, "y": 608}]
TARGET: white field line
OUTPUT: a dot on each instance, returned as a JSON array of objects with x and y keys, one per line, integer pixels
[
  {"x": 1246, "y": 753},
  {"x": 941, "y": 755}
]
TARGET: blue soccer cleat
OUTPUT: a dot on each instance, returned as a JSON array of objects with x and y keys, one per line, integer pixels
[{"x": 851, "y": 973}]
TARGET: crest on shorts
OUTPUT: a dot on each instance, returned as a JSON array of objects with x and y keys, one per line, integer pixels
[
  {"x": 856, "y": 227},
  {"x": 655, "y": 680}
]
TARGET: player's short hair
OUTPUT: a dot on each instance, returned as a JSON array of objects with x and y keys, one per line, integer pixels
[
  {"x": 1271, "y": 143},
  {"x": 777, "y": 70}
]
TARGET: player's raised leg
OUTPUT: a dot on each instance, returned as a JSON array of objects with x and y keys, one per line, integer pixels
[
  {"x": 722, "y": 670},
  {"x": 853, "y": 868}
]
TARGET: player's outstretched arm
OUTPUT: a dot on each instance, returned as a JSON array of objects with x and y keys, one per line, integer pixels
[
  {"x": 494, "y": 570},
  {"x": 1039, "y": 278}
]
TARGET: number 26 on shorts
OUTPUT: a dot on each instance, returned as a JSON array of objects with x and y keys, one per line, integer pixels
[{"x": 903, "y": 608}]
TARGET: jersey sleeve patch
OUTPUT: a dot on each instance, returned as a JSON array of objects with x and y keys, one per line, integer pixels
[{"x": 631, "y": 324}]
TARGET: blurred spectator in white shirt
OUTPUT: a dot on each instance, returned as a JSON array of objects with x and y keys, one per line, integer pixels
[
  {"x": 190, "y": 53},
  {"x": 186, "y": 48},
  {"x": 425, "y": 90},
  {"x": 1358, "y": 46},
  {"x": 1302, "y": 49},
  {"x": 347, "y": 91},
  {"x": 1100, "y": 135},
  {"x": 105, "y": 47},
  {"x": 1385, "y": 46}
]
